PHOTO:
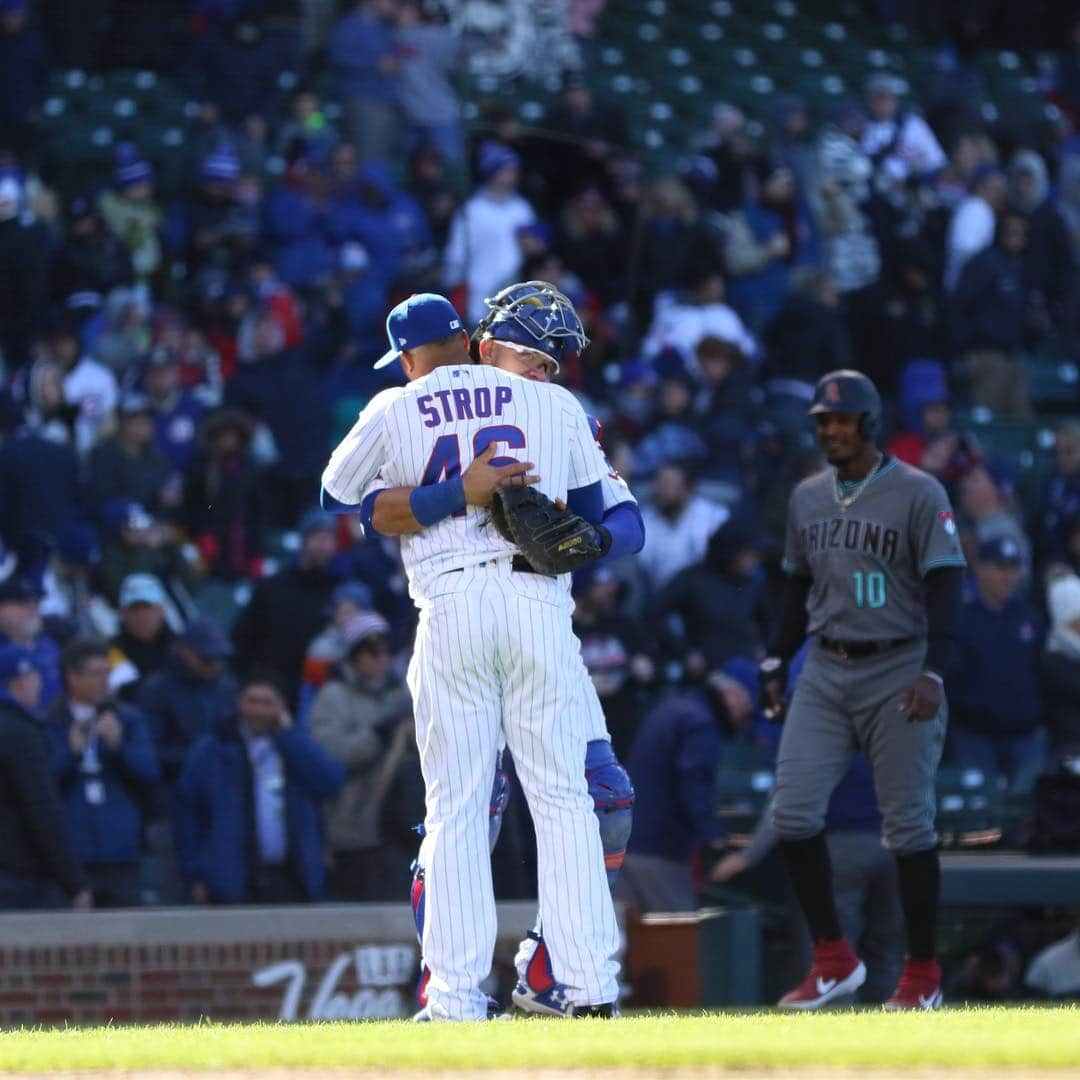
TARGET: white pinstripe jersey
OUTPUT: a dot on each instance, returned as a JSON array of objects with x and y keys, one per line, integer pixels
[{"x": 432, "y": 429}]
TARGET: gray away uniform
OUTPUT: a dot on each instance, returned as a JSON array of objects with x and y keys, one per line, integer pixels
[{"x": 867, "y": 563}]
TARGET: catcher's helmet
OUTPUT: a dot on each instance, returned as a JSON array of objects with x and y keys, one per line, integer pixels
[
  {"x": 849, "y": 392},
  {"x": 537, "y": 315}
]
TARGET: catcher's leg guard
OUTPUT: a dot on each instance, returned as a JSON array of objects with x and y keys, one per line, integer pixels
[{"x": 613, "y": 800}]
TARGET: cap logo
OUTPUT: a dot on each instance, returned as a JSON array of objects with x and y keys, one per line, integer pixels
[
  {"x": 401, "y": 341},
  {"x": 455, "y": 324},
  {"x": 832, "y": 392}
]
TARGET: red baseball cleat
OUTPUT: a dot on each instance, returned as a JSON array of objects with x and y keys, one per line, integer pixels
[
  {"x": 919, "y": 987},
  {"x": 835, "y": 973}
]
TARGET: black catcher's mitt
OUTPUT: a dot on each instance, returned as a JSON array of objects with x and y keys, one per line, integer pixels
[{"x": 554, "y": 541}]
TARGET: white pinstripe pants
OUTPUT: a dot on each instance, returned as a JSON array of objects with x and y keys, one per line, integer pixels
[{"x": 495, "y": 654}]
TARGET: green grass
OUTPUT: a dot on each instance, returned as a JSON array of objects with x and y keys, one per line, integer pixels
[{"x": 987, "y": 1037}]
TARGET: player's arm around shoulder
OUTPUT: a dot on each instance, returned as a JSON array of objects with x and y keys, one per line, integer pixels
[{"x": 357, "y": 459}]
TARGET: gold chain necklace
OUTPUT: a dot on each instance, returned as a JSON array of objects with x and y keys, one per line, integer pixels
[{"x": 848, "y": 500}]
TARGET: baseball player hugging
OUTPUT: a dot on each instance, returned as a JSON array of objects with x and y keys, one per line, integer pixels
[
  {"x": 495, "y": 658},
  {"x": 874, "y": 575}
]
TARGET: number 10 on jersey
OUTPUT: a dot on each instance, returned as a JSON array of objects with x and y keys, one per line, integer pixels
[{"x": 869, "y": 588}]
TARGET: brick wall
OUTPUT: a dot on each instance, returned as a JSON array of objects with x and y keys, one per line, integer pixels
[{"x": 292, "y": 963}]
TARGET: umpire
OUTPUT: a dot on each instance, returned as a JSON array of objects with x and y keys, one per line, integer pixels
[
  {"x": 37, "y": 860},
  {"x": 875, "y": 574}
]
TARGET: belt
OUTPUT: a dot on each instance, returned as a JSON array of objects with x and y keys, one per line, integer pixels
[
  {"x": 857, "y": 650},
  {"x": 519, "y": 564}
]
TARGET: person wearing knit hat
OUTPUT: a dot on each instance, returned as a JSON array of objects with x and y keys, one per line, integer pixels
[
  {"x": 483, "y": 253},
  {"x": 1061, "y": 669},
  {"x": 131, "y": 213}
]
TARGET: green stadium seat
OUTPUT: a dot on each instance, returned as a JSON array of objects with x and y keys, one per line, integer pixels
[{"x": 969, "y": 808}]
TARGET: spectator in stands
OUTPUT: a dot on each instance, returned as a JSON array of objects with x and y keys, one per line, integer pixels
[
  {"x": 807, "y": 337},
  {"x": 927, "y": 439},
  {"x": 1060, "y": 500},
  {"x": 70, "y": 605},
  {"x": 1049, "y": 261},
  {"x": 92, "y": 258},
  {"x": 225, "y": 509},
  {"x": 144, "y": 639},
  {"x": 286, "y": 611},
  {"x": 105, "y": 765},
  {"x": 24, "y": 262},
  {"x": 488, "y": 222},
  {"x": 238, "y": 64},
  {"x": 349, "y": 599},
  {"x": 588, "y": 132},
  {"x": 176, "y": 411},
  {"x": 220, "y": 228},
  {"x": 1055, "y": 972},
  {"x": 673, "y": 434},
  {"x": 281, "y": 386},
  {"x": 673, "y": 765},
  {"x": 995, "y": 310},
  {"x": 760, "y": 243},
  {"x": 24, "y": 77},
  {"x": 995, "y": 697},
  {"x": 39, "y": 488},
  {"x": 897, "y": 140},
  {"x": 1061, "y": 669},
  {"x": 683, "y": 322},
  {"x": 429, "y": 53},
  {"x": 841, "y": 205},
  {"x": 974, "y": 221},
  {"x": 593, "y": 243},
  {"x": 247, "y": 805},
  {"x": 130, "y": 466},
  {"x": 362, "y": 717},
  {"x": 131, "y": 213},
  {"x": 716, "y": 609},
  {"x": 678, "y": 524},
  {"x": 89, "y": 387},
  {"x": 137, "y": 543},
  {"x": 305, "y": 131},
  {"x": 361, "y": 52},
  {"x": 38, "y": 865},
  {"x": 674, "y": 252},
  {"x": 46, "y": 411},
  {"x": 987, "y": 504},
  {"x": 616, "y": 649},
  {"x": 190, "y": 695},
  {"x": 120, "y": 336},
  {"x": 21, "y": 624}
]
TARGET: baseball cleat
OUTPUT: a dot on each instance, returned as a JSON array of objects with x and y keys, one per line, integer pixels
[
  {"x": 494, "y": 1012},
  {"x": 537, "y": 991},
  {"x": 835, "y": 973},
  {"x": 919, "y": 987}
]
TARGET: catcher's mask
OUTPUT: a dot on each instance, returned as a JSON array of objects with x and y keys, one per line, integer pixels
[{"x": 536, "y": 315}]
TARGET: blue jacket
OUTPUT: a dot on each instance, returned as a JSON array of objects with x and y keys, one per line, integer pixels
[
  {"x": 673, "y": 764},
  {"x": 214, "y": 817},
  {"x": 46, "y": 655},
  {"x": 356, "y": 45},
  {"x": 995, "y": 687},
  {"x": 175, "y": 429},
  {"x": 109, "y": 831},
  {"x": 181, "y": 709}
]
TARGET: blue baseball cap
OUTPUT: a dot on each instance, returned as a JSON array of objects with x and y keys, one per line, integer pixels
[
  {"x": 419, "y": 320},
  {"x": 15, "y": 661}
]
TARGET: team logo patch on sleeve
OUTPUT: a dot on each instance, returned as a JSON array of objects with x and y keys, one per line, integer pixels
[{"x": 947, "y": 521}]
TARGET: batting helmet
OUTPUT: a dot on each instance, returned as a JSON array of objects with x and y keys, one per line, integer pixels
[
  {"x": 537, "y": 315},
  {"x": 849, "y": 392}
]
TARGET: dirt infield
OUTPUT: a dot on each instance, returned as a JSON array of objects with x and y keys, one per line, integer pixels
[{"x": 816, "y": 1073}]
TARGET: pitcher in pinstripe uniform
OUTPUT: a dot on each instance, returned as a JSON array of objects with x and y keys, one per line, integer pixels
[{"x": 495, "y": 654}]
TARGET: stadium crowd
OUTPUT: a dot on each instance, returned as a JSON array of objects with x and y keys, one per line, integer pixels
[{"x": 217, "y": 664}]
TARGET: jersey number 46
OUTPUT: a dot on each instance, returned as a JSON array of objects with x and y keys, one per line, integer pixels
[{"x": 445, "y": 460}]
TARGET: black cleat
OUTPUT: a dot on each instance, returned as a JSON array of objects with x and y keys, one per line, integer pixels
[{"x": 603, "y": 1012}]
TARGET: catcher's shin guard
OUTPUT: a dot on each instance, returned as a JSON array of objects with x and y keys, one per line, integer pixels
[{"x": 613, "y": 800}]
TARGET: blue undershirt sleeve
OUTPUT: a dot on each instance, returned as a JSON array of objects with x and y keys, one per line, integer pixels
[
  {"x": 588, "y": 502},
  {"x": 627, "y": 530},
  {"x": 334, "y": 506}
]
